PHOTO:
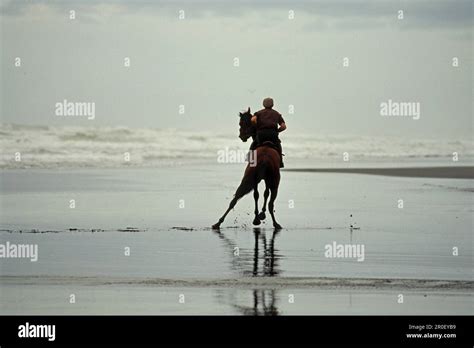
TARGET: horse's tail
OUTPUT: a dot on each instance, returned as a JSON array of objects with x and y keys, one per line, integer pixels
[
  {"x": 268, "y": 166},
  {"x": 261, "y": 171}
]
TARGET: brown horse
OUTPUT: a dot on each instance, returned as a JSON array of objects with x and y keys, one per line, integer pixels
[{"x": 267, "y": 168}]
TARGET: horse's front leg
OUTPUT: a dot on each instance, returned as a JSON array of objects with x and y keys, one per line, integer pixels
[
  {"x": 232, "y": 204},
  {"x": 256, "y": 220},
  {"x": 244, "y": 188}
]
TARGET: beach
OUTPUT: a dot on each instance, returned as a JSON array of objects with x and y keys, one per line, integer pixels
[
  {"x": 457, "y": 172},
  {"x": 129, "y": 131},
  {"x": 138, "y": 241}
]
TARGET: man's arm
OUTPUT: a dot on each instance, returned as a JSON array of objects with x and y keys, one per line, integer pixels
[
  {"x": 254, "y": 120},
  {"x": 282, "y": 123},
  {"x": 282, "y": 127}
]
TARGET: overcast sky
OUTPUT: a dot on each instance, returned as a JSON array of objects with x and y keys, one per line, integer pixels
[{"x": 190, "y": 62}]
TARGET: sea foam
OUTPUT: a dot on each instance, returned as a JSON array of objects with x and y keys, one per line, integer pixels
[{"x": 24, "y": 146}]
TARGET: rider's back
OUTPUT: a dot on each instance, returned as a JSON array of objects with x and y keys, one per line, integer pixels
[{"x": 268, "y": 119}]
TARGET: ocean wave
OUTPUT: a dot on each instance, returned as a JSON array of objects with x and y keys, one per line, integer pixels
[{"x": 24, "y": 146}]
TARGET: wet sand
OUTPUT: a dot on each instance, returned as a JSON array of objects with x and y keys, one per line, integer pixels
[
  {"x": 458, "y": 172},
  {"x": 255, "y": 296},
  {"x": 173, "y": 251}
]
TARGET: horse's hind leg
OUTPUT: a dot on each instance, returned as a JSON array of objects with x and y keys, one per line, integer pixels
[
  {"x": 262, "y": 216},
  {"x": 256, "y": 220},
  {"x": 273, "y": 196},
  {"x": 242, "y": 190}
]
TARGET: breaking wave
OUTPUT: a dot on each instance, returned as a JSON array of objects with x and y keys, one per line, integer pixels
[{"x": 77, "y": 147}]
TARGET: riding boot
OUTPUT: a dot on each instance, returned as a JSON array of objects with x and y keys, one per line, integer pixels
[
  {"x": 252, "y": 148},
  {"x": 280, "y": 151}
]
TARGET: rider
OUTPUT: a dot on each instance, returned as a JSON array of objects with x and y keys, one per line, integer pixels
[{"x": 267, "y": 121}]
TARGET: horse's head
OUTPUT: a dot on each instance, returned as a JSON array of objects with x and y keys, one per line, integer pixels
[{"x": 247, "y": 129}]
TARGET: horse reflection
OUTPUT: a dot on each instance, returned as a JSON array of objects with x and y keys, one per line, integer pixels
[
  {"x": 264, "y": 259},
  {"x": 264, "y": 303},
  {"x": 268, "y": 255},
  {"x": 262, "y": 262}
]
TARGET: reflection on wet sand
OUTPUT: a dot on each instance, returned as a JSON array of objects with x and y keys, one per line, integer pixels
[
  {"x": 261, "y": 301},
  {"x": 262, "y": 262}
]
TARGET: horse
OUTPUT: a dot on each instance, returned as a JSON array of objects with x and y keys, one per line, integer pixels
[{"x": 266, "y": 167}]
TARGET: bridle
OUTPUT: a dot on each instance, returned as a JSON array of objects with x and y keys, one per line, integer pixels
[{"x": 247, "y": 129}]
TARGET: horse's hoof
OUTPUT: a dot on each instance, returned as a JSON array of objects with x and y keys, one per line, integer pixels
[
  {"x": 256, "y": 221},
  {"x": 216, "y": 226},
  {"x": 261, "y": 216},
  {"x": 277, "y": 226}
]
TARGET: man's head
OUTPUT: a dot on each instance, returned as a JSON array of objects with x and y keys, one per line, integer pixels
[{"x": 268, "y": 103}]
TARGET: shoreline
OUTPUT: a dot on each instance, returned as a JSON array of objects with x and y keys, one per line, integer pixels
[
  {"x": 149, "y": 299},
  {"x": 249, "y": 282},
  {"x": 461, "y": 172}
]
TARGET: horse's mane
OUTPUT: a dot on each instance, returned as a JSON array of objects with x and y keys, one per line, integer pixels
[{"x": 246, "y": 115}]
